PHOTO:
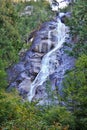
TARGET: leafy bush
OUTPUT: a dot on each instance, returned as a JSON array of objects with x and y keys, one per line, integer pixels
[{"x": 59, "y": 117}]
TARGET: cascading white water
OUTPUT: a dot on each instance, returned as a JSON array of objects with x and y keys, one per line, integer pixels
[{"x": 49, "y": 62}]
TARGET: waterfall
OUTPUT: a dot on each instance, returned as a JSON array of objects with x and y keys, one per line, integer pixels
[{"x": 49, "y": 62}]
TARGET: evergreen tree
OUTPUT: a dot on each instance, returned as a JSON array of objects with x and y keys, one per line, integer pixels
[
  {"x": 75, "y": 92},
  {"x": 9, "y": 37},
  {"x": 78, "y": 27}
]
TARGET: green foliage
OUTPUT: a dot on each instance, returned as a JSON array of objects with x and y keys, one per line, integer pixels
[
  {"x": 59, "y": 116},
  {"x": 41, "y": 13},
  {"x": 16, "y": 114},
  {"x": 75, "y": 83},
  {"x": 75, "y": 91},
  {"x": 9, "y": 38},
  {"x": 78, "y": 27}
]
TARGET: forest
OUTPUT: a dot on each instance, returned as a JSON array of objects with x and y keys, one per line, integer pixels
[{"x": 16, "y": 114}]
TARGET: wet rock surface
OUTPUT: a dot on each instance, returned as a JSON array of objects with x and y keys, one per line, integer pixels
[{"x": 23, "y": 74}]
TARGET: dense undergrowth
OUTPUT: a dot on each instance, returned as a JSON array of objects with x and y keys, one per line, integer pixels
[{"x": 15, "y": 114}]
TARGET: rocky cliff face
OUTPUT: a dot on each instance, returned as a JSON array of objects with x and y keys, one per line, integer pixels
[
  {"x": 23, "y": 74},
  {"x": 30, "y": 63}
]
